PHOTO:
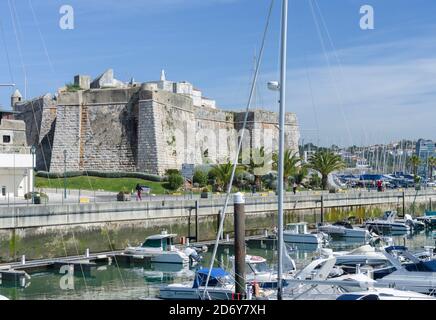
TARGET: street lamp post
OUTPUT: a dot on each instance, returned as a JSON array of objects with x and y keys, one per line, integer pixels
[
  {"x": 33, "y": 151},
  {"x": 65, "y": 174}
]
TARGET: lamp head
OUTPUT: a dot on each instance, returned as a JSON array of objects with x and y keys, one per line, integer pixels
[{"x": 273, "y": 85}]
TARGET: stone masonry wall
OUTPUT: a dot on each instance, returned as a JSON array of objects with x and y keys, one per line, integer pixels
[
  {"x": 40, "y": 117},
  {"x": 141, "y": 129},
  {"x": 99, "y": 131}
]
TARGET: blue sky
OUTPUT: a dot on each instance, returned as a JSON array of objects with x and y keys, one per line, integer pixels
[{"x": 347, "y": 85}]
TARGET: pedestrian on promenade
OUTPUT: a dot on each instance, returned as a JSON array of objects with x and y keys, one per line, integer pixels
[
  {"x": 138, "y": 192},
  {"x": 294, "y": 187}
]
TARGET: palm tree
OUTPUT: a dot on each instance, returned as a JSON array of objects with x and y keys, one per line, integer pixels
[
  {"x": 290, "y": 164},
  {"x": 414, "y": 162},
  {"x": 223, "y": 173},
  {"x": 257, "y": 164},
  {"x": 431, "y": 165},
  {"x": 325, "y": 162}
]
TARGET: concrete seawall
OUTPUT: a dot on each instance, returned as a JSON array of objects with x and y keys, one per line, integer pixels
[
  {"x": 88, "y": 214},
  {"x": 55, "y": 230}
]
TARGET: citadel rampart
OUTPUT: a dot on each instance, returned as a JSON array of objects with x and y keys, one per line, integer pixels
[{"x": 140, "y": 127}]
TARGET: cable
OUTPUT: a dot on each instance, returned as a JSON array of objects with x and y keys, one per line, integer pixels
[
  {"x": 336, "y": 89},
  {"x": 20, "y": 53},
  {"x": 6, "y": 51},
  {"x": 235, "y": 164},
  {"x": 35, "y": 19}
]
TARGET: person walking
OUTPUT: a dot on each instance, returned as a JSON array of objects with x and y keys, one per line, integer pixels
[
  {"x": 294, "y": 188},
  {"x": 138, "y": 192}
]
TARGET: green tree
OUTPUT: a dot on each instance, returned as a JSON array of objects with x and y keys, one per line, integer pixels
[
  {"x": 223, "y": 173},
  {"x": 258, "y": 165},
  {"x": 414, "y": 163},
  {"x": 300, "y": 175},
  {"x": 175, "y": 181},
  {"x": 325, "y": 162},
  {"x": 315, "y": 181},
  {"x": 431, "y": 165},
  {"x": 200, "y": 177},
  {"x": 170, "y": 172},
  {"x": 290, "y": 165}
]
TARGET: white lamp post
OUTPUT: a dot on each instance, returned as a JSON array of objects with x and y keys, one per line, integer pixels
[{"x": 33, "y": 152}]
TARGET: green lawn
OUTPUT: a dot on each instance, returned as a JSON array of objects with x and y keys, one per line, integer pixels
[{"x": 97, "y": 183}]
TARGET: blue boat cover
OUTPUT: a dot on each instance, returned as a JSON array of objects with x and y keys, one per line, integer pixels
[{"x": 201, "y": 277}]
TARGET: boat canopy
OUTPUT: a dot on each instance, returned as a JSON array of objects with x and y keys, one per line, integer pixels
[
  {"x": 161, "y": 236},
  {"x": 215, "y": 275}
]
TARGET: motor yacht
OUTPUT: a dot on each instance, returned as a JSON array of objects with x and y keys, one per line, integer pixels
[
  {"x": 387, "y": 224},
  {"x": 161, "y": 249},
  {"x": 297, "y": 233},
  {"x": 344, "y": 229}
]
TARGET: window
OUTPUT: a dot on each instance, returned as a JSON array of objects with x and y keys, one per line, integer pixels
[{"x": 6, "y": 139}]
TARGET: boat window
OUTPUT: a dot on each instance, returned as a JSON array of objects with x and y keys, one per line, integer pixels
[
  {"x": 165, "y": 244},
  {"x": 261, "y": 267},
  {"x": 152, "y": 243},
  {"x": 249, "y": 269},
  {"x": 292, "y": 228}
]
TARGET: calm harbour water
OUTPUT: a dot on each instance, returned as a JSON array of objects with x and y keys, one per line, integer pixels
[{"x": 117, "y": 281}]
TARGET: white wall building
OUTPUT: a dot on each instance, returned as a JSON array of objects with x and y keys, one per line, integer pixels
[
  {"x": 16, "y": 160},
  {"x": 182, "y": 87}
]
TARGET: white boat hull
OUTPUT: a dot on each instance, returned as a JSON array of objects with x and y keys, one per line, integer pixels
[
  {"x": 344, "y": 232},
  {"x": 395, "y": 227},
  {"x": 181, "y": 292},
  {"x": 158, "y": 256},
  {"x": 301, "y": 238}
]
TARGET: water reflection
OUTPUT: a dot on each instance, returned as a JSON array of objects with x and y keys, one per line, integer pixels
[{"x": 136, "y": 280}]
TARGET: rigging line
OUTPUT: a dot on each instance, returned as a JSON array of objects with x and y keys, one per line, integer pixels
[
  {"x": 6, "y": 51},
  {"x": 235, "y": 164},
  {"x": 92, "y": 188},
  {"x": 312, "y": 99},
  {"x": 35, "y": 19},
  {"x": 15, "y": 24},
  {"x": 335, "y": 52},
  {"x": 20, "y": 53},
  {"x": 338, "y": 96}
]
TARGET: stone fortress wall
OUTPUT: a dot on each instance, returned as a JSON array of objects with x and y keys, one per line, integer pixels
[{"x": 107, "y": 125}]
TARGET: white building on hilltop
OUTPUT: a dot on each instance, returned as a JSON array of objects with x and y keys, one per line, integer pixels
[
  {"x": 184, "y": 88},
  {"x": 16, "y": 169}
]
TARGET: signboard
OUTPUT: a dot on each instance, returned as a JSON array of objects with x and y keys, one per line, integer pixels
[
  {"x": 188, "y": 170},
  {"x": 145, "y": 189}
]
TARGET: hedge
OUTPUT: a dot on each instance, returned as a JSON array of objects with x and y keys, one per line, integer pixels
[{"x": 101, "y": 174}]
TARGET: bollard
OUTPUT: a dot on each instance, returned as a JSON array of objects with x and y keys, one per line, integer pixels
[
  {"x": 87, "y": 253},
  {"x": 23, "y": 259},
  {"x": 227, "y": 237},
  {"x": 239, "y": 243},
  {"x": 266, "y": 233},
  {"x": 187, "y": 241}
]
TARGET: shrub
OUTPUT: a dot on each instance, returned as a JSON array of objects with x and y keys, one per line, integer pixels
[
  {"x": 201, "y": 178},
  {"x": 170, "y": 172},
  {"x": 101, "y": 174},
  {"x": 175, "y": 181}
]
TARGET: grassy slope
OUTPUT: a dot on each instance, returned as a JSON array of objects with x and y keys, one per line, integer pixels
[{"x": 96, "y": 183}]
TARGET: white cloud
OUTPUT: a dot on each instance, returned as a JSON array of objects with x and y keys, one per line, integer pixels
[{"x": 375, "y": 94}]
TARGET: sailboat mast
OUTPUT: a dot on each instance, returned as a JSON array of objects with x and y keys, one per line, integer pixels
[{"x": 280, "y": 184}]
